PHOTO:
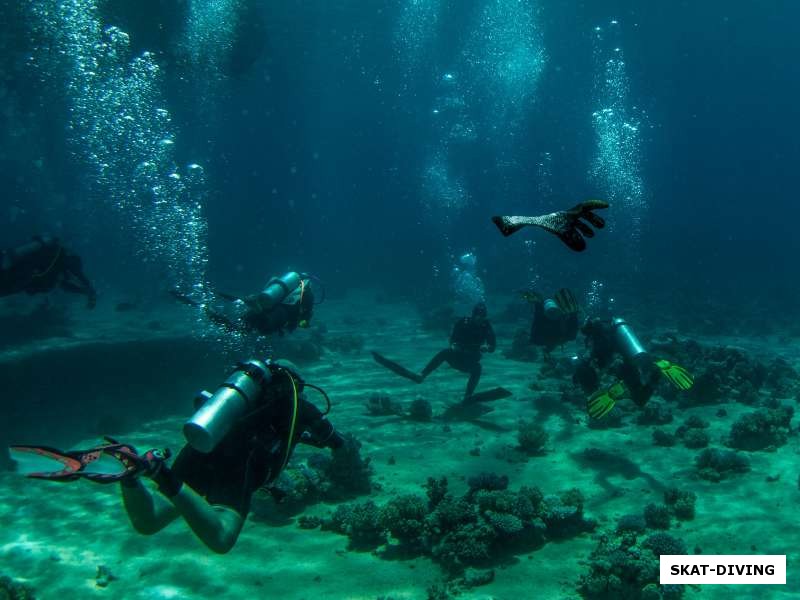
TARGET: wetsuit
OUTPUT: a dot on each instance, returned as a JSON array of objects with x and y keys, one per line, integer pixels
[
  {"x": 639, "y": 377},
  {"x": 552, "y": 332},
  {"x": 468, "y": 336},
  {"x": 253, "y": 453},
  {"x": 40, "y": 266},
  {"x": 285, "y": 316}
]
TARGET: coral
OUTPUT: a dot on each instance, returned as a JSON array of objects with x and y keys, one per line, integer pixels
[
  {"x": 420, "y": 410},
  {"x": 379, "y": 404},
  {"x": 477, "y": 577},
  {"x": 714, "y": 464},
  {"x": 762, "y": 429},
  {"x": 657, "y": 516},
  {"x": 655, "y": 413},
  {"x": 350, "y": 474},
  {"x": 504, "y": 501},
  {"x": 504, "y": 524},
  {"x": 681, "y": 502},
  {"x": 360, "y": 523},
  {"x": 487, "y": 481},
  {"x": 662, "y": 438},
  {"x": 696, "y": 438},
  {"x": 663, "y": 543},
  {"x": 532, "y": 438},
  {"x": 13, "y": 590},
  {"x": 782, "y": 378},
  {"x": 695, "y": 422},
  {"x": 309, "y": 522},
  {"x": 621, "y": 570},
  {"x": 631, "y": 524},
  {"x": 404, "y": 518},
  {"x": 436, "y": 490},
  {"x": 564, "y": 520},
  {"x": 468, "y": 544}
]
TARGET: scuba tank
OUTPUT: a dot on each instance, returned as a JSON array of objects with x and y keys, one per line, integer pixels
[
  {"x": 626, "y": 341},
  {"x": 551, "y": 309},
  {"x": 239, "y": 394},
  {"x": 277, "y": 290}
]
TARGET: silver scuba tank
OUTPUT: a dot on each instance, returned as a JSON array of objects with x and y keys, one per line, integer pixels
[
  {"x": 626, "y": 341},
  {"x": 277, "y": 290},
  {"x": 551, "y": 309},
  {"x": 234, "y": 398}
]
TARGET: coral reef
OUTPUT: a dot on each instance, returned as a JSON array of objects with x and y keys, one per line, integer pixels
[
  {"x": 663, "y": 438},
  {"x": 762, "y": 430},
  {"x": 681, "y": 502},
  {"x": 714, "y": 464},
  {"x": 13, "y": 590},
  {"x": 486, "y": 524},
  {"x": 631, "y": 524},
  {"x": 532, "y": 438},
  {"x": 621, "y": 569},
  {"x": 657, "y": 516}
]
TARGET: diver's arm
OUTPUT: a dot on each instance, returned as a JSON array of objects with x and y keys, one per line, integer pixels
[
  {"x": 147, "y": 512},
  {"x": 218, "y": 527},
  {"x": 491, "y": 340}
]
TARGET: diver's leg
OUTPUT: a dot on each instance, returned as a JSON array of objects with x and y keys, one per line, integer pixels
[
  {"x": 147, "y": 512},
  {"x": 436, "y": 362},
  {"x": 474, "y": 378},
  {"x": 218, "y": 527}
]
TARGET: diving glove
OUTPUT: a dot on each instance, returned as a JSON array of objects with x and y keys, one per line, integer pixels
[
  {"x": 677, "y": 375},
  {"x": 602, "y": 401}
]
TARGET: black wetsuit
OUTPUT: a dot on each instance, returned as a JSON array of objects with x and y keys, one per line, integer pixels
[
  {"x": 282, "y": 317},
  {"x": 468, "y": 336},
  {"x": 552, "y": 332},
  {"x": 640, "y": 377},
  {"x": 40, "y": 266},
  {"x": 252, "y": 454}
]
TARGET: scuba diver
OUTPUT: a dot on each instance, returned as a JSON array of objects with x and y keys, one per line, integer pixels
[
  {"x": 238, "y": 441},
  {"x": 555, "y": 320},
  {"x": 565, "y": 224},
  {"x": 637, "y": 374},
  {"x": 471, "y": 336},
  {"x": 41, "y": 265},
  {"x": 284, "y": 304}
]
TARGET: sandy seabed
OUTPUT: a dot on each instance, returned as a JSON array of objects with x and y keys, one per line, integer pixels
[{"x": 53, "y": 537}]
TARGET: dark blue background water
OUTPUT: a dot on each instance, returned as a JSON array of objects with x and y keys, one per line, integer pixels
[{"x": 315, "y": 155}]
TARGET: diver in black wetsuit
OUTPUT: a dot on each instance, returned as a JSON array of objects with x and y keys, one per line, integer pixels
[
  {"x": 555, "y": 320},
  {"x": 41, "y": 265},
  {"x": 221, "y": 475},
  {"x": 471, "y": 336},
  {"x": 285, "y": 304}
]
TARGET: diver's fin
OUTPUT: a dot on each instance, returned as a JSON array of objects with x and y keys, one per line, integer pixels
[
  {"x": 183, "y": 298},
  {"x": 497, "y": 393},
  {"x": 229, "y": 297},
  {"x": 603, "y": 400},
  {"x": 566, "y": 301},
  {"x": 677, "y": 375},
  {"x": 506, "y": 225},
  {"x": 396, "y": 368}
]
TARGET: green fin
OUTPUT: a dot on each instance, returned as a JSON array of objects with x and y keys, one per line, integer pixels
[
  {"x": 566, "y": 301},
  {"x": 677, "y": 375},
  {"x": 602, "y": 401}
]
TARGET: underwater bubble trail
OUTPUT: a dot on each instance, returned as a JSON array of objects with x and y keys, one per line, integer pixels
[
  {"x": 120, "y": 131},
  {"x": 506, "y": 56},
  {"x": 616, "y": 167},
  {"x": 415, "y": 30}
]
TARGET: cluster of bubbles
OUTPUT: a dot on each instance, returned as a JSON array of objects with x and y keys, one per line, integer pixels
[
  {"x": 444, "y": 194},
  {"x": 597, "y": 300},
  {"x": 506, "y": 56},
  {"x": 451, "y": 115},
  {"x": 121, "y": 134},
  {"x": 468, "y": 288},
  {"x": 616, "y": 167},
  {"x": 207, "y": 42},
  {"x": 415, "y": 31}
]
